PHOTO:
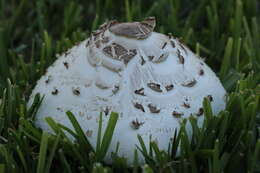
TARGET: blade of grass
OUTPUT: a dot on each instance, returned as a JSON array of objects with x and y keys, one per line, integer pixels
[
  {"x": 81, "y": 136},
  {"x": 227, "y": 58},
  {"x": 54, "y": 126},
  {"x": 136, "y": 162},
  {"x": 98, "y": 146},
  {"x": 107, "y": 137},
  {"x": 127, "y": 11},
  {"x": 52, "y": 153},
  {"x": 64, "y": 161},
  {"x": 2, "y": 168},
  {"x": 43, "y": 153}
]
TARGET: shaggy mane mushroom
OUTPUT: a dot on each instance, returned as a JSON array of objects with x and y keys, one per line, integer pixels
[{"x": 152, "y": 80}]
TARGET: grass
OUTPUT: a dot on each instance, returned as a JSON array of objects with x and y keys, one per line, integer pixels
[{"x": 226, "y": 32}]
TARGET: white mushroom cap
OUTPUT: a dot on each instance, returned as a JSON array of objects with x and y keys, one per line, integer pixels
[{"x": 152, "y": 80}]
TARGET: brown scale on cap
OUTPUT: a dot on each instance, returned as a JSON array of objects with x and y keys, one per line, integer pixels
[
  {"x": 81, "y": 113},
  {"x": 106, "y": 111},
  {"x": 153, "y": 109},
  {"x": 173, "y": 44},
  {"x": 48, "y": 80},
  {"x": 133, "y": 51},
  {"x": 105, "y": 40},
  {"x": 154, "y": 86},
  {"x": 88, "y": 43},
  {"x": 89, "y": 133},
  {"x": 98, "y": 43},
  {"x": 142, "y": 60},
  {"x": 161, "y": 58},
  {"x": 164, "y": 45},
  {"x": 76, "y": 91},
  {"x": 149, "y": 22},
  {"x": 66, "y": 64},
  {"x": 186, "y": 105},
  {"x": 200, "y": 112},
  {"x": 210, "y": 98},
  {"x": 127, "y": 57},
  {"x": 107, "y": 25},
  {"x": 59, "y": 109},
  {"x": 177, "y": 114},
  {"x": 116, "y": 89},
  {"x": 119, "y": 50},
  {"x": 137, "y": 30},
  {"x": 183, "y": 48},
  {"x": 55, "y": 91},
  {"x": 140, "y": 91},
  {"x": 190, "y": 83},
  {"x": 95, "y": 34},
  {"x": 139, "y": 106},
  {"x": 150, "y": 58},
  {"x": 181, "y": 58},
  {"x": 170, "y": 35},
  {"x": 98, "y": 35},
  {"x": 201, "y": 72},
  {"x": 121, "y": 53},
  {"x": 169, "y": 87},
  {"x": 108, "y": 51},
  {"x": 135, "y": 124}
]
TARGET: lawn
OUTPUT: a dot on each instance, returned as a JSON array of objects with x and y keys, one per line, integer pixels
[{"x": 224, "y": 32}]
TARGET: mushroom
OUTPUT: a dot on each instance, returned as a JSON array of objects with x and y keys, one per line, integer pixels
[{"x": 113, "y": 69}]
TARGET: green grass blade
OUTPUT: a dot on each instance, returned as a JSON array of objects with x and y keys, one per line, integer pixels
[
  {"x": 55, "y": 127},
  {"x": 43, "y": 153},
  {"x": 65, "y": 163},
  {"x": 52, "y": 154},
  {"x": 82, "y": 139},
  {"x": 227, "y": 58},
  {"x": 107, "y": 137},
  {"x": 2, "y": 168},
  {"x": 135, "y": 162},
  {"x": 99, "y": 136},
  {"x": 127, "y": 11}
]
